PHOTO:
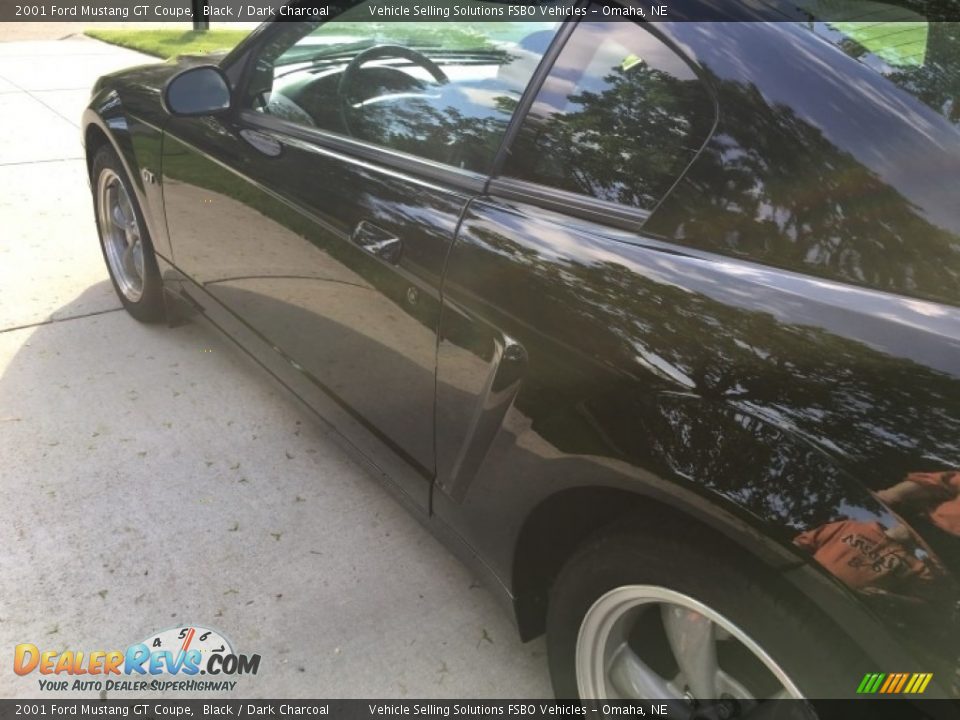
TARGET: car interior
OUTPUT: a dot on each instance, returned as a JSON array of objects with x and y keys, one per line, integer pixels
[{"x": 407, "y": 97}]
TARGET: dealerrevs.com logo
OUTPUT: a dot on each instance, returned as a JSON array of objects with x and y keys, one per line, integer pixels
[{"x": 151, "y": 665}]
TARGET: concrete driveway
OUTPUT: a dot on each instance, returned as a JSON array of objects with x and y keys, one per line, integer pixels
[{"x": 153, "y": 477}]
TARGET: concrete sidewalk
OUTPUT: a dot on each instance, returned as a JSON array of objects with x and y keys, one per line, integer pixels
[
  {"x": 153, "y": 478},
  {"x": 48, "y": 251}
]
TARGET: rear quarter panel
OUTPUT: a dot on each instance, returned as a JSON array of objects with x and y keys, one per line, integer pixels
[
  {"x": 762, "y": 403},
  {"x": 775, "y": 347}
]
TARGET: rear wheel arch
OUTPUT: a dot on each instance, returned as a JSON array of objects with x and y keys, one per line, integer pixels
[{"x": 560, "y": 525}]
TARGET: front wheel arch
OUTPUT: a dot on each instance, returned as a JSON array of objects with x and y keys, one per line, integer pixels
[{"x": 94, "y": 138}]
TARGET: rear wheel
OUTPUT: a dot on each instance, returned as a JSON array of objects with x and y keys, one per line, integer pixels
[
  {"x": 124, "y": 239},
  {"x": 647, "y": 616}
]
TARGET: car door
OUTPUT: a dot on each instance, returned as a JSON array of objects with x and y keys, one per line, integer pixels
[{"x": 321, "y": 210}]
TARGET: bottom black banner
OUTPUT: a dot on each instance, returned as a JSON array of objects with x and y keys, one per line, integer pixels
[{"x": 854, "y": 709}]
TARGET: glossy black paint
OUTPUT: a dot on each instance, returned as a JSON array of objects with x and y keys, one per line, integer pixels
[
  {"x": 202, "y": 90},
  {"x": 827, "y": 168},
  {"x": 763, "y": 363},
  {"x": 364, "y": 327}
]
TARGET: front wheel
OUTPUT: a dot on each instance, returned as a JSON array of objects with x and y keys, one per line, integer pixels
[
  {"x": 637, "y": 615},
  {"x": 124, "y": 239}
]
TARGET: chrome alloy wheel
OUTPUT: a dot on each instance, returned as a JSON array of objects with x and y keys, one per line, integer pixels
[
  {"x": 122, "y": 240},
  {"x": 648, "y": 642}
]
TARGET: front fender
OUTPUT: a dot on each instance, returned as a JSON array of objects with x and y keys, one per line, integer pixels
[{"x": 126, "y": 111}]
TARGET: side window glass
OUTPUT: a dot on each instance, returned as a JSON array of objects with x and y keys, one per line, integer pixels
[
  {"x": 442, "y": 90},
  {"x": 619, "y": 118},
  {"x": 918, "y": 55}
]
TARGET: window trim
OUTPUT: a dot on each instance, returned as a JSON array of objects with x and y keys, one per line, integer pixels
[
  {"x": 361, "y": 150},
  {"x": 540, "y": 75},
  {"x": 469, "y": 180},
  {"x": 585, "y": 206}
]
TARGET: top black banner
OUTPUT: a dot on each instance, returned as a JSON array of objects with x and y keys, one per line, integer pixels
[{"x": 246, "y": 11}]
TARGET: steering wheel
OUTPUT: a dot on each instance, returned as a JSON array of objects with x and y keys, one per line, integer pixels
[{"x": 377, "y": 52}]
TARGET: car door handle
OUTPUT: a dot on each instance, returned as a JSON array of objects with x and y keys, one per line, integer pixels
[
  {"x": 269, "y": 146},
  {"x": 378, "y": 241}
]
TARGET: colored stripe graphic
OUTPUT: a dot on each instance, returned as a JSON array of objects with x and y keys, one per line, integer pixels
[
  {"x": 894, "y": 683},
  {"x": 914, "y": 682},
  {"x": 901, "y": 682},
  {"x": 891, "y": 679},
  {"x": 870, "y": 683}
]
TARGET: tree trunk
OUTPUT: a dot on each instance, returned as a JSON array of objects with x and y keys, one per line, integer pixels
[{"x": 200, "y": 19}]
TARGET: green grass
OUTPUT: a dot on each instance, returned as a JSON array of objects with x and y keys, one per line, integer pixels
[
  {"x": 169, "y": 43},
  {"x": 901, "y": 44}
]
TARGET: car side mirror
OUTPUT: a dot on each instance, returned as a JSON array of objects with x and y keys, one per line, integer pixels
[{"x": 202, "y": 90}]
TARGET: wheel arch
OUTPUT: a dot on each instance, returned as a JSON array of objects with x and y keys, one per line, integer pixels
[
  {"x": 94, "y": 138},
  {"x": 106, "y": 124},
  {"x": 555, "y": 528}
]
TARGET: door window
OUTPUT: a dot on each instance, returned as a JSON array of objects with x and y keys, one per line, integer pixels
[
  {"x": 619, "y": 118},
  {"x": 442, "y": 91},
  {"x": 916, "y": 53}
]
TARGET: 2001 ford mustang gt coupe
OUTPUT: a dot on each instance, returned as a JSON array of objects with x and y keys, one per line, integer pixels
[{"x": 656, "y": 323}]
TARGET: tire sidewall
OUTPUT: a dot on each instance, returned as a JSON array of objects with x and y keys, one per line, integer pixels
[
  {"x": 791, "y": 635},
  {"x": 149, "y": 307}
]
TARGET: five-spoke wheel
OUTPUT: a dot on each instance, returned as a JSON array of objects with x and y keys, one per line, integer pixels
[
  {"x": 647, "y": 610},
  {"x": 124, "y": 239},
  {"x": 120, "y": 230},
  {"x": 649, "y": 642}
]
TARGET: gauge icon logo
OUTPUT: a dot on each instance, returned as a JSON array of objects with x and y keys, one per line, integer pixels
[
  {"x": 192, "y": 650},
  {"x": 183, "y": 639}
]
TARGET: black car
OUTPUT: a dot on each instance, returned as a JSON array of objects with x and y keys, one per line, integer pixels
[{"x": 656, "y": 323}]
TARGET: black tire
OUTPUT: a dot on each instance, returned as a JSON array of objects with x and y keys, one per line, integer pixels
[
  {"x": 149, "y": 306},
  {"x": 819, "y": 661}
]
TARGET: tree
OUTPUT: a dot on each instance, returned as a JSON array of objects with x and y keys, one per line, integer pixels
[{"x": 201, "y": 20}]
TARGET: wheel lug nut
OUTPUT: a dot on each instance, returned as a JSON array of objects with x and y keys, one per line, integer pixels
[{"x": 727, "y": 707}]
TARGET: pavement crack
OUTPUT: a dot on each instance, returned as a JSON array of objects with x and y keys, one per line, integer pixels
[
  {"x": 51, "y": 321},
  {"x": 36, "y": 162},
  {"x": 31, "y": 94}
]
